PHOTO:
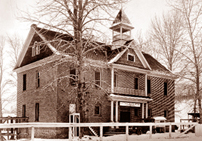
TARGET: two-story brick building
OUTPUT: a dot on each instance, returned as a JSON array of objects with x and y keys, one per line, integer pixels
[{"x": 133, "y": 85}]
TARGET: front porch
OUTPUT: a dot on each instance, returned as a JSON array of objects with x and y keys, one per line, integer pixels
[{"x": 128, "y": 108}]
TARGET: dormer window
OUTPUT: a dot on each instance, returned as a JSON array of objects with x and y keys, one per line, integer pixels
[
  {"x": 131, "y": 57},
  {"x": 35, "y": 49}
]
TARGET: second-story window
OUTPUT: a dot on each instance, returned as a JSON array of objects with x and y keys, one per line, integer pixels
[
  {"x": 35, "y": 49},
  {"x": 148, "y": 86},
  {"x": 37, "y": 79},
  {"x": 165, "y": 88},
  {"x": 24, "y": 82},
  {"x": 97, "y": 79},
  {"x": 115, "y": 80},
  {"x": 135, "y": 83}
]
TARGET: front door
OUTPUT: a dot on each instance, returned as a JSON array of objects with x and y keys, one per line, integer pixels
[{"x": 124, "y": 116}]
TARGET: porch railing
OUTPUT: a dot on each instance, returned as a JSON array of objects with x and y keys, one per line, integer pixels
[
  {"x": 121, "y": 90},
  {"x": 11, "y": 133}
]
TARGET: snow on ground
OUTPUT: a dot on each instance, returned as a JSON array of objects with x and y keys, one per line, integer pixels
[{"x": 143, "y": 137}]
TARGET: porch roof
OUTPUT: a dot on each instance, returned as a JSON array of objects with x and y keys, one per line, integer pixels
[{"x": 129, "y": 98}]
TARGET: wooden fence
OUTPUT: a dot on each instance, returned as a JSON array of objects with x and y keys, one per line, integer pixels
[{"x": 100, "y": 125}]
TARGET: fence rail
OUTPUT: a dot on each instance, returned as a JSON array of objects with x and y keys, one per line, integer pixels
[{"x": 101, "y": 125}]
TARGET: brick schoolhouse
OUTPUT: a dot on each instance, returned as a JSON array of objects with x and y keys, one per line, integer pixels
[{"x": 133, "y": 84}]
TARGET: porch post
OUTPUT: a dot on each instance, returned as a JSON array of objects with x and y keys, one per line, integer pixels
[
  {"x": 112, "y": 111},
  {"x": 145, "y": 84},
  {"x": 112, "y": 80},
  {"x": 142, "y": 110},
  {"x": 116, "y": 111},
  {"x": 146, "y": 112}
]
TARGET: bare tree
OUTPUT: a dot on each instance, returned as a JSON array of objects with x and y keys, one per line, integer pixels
[
  {"x": 14, "y": 44},
  {"x": 191, "y": 11},
  {"x": 2, "y": 44},
  {"x": 167, "y": 34},
  {"x": 81, "y": 19}
]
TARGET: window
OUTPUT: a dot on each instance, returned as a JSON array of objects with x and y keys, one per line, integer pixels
[
  {"x": 97, "y": 79},
  {"x": 136, "y": 83},
  {"x": 136, "y": 112},
  {"x": 23, "y": 110},
  {"x": 37, "y": 112},
  {"x": 37, "y": 79},
  {"x": 149, "y": 112},
  {"x": 24, "y": 82},
  {"x": 131, "y": 57},
  {"x": 165, "y": 88},
  {"x": 35, "y": 49},
  {"x": 165, "y": 113},
  {"x": 115, "y": 80},
  {"x": 73, "y": 77},
  {"x": 148, "y": 86},
  {"x": 97, "y": 110}
]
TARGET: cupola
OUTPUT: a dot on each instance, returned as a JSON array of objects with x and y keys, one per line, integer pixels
[{"x": 121, "y": 30}]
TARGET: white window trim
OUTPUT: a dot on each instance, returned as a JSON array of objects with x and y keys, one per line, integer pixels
[
  {"x": 131, "y": 55},
  {"x": 35, "y": 49}
]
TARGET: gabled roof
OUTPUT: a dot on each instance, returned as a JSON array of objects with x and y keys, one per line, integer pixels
[
  {"x": 148, "y": 62},
  {"x": 155, "y": 65}
]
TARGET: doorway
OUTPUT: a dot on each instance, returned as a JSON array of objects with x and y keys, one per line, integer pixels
[{"x": 124, "y": 116}]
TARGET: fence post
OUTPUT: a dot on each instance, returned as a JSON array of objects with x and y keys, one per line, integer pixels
[
  {"x": 170, "y": 128},
  {"x": 127, "y": 132},
  {"x": 101, "y": 132},
  {"x": 150, "y": 134},
  {"x": 70, "y": 133},
  {"x": 32, "y": 134}
]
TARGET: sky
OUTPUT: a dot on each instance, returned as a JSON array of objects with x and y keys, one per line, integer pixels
[{"x": 139, "y": 12}]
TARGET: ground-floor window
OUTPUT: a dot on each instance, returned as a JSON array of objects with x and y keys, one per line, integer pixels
[
  {"x": 166, "y": 113},
  {"x": 97, "y": 110},
  {"x": 149, "y": 112},
  {"x": 23, "y": 110},
  {"x": 37, "y": 112}
]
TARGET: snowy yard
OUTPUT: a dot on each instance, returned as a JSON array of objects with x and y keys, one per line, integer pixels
[{"x": 155, "y": 137}]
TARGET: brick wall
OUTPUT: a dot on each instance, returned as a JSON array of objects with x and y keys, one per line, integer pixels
[
  {"x": 125, "y": 79},
  {"x": 45, "y": 95},
  {"x": 160, "y": 101}
]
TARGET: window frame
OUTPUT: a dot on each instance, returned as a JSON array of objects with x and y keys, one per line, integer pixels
[
  {"x": 98, "y": 105},
  {"x": 136, "y": 83},
  {"x": 115, "y": 80},
  {"x": 165, "y": 88},
  {"x": 37, "y": 79},
  {"x": 36, "y": 112},
  {"x": 35, "y": 49},
  {"x": 166, "y": 112},
  {"x": 97, "y": 82},
  {"x": 149, "y": 113},
  {"x": 128, "y": 57},
  {"x": 24, "y": 82},
  {"x": 149, "y": 86},
  {"x": 24, "y": 110}
]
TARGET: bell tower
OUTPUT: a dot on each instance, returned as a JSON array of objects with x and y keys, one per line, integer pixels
[{"x": 121, "y": 30}]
